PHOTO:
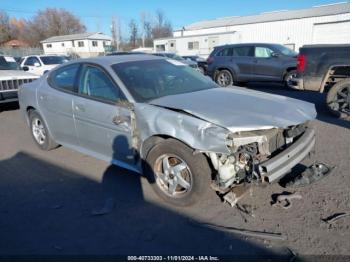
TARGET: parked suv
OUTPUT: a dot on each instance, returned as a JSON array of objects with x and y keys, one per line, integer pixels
[{"x": 240, "y": 63}]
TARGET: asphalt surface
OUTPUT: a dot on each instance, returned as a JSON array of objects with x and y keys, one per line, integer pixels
[{"x": 63, "y": 202}]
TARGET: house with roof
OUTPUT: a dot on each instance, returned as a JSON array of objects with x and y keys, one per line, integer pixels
[
  {"x": 83, "y": 45},
  {"x": 325, "y": 24}
]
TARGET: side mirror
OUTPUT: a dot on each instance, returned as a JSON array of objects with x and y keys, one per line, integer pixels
[
  {"x": 36, "y": 64},
  {"x": 25, "y": 68},
  {"x": 275, "y": 55}
]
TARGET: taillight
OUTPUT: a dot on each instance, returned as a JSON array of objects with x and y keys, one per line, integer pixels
[
  {"x": 210, "y": 60},
  {"x": 301, "y": 63}
]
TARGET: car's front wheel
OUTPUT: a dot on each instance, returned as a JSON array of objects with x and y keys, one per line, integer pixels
[
  {"x": 288, "y": 78},
  {"x": 224, "y": 78},
  {"x": 40, "y": 132},
  {"x": 176, "y": 174}
]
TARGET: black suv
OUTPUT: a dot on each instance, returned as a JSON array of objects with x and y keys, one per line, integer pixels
[{"x": 241, "y": 63}]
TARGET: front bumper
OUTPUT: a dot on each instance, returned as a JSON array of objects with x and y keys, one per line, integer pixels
[{"x": 275, "y": 168}]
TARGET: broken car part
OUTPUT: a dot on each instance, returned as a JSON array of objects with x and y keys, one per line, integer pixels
[
  {"x": 312, "y": 174},
  {"x": 243, "y": 232},
  {"x": 284, "y": 199},
  {"x": 333, "y": 218}
]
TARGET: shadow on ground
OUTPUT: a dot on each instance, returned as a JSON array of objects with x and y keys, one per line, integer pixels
[
  {"x": 46, "y": 209},
  {"x": 313, "y": 97}
]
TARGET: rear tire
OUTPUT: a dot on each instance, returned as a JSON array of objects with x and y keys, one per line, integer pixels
[
  {"x": 40, "y": 133},
  {"x": 224, "y": 78},
  {"x": 177, "y": 175},
  {"x": 288, "y": 77},
  {"x": 338, "y": 99}
]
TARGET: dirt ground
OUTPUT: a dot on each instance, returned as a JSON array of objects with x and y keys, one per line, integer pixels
[{"x": 52, "y": 203}]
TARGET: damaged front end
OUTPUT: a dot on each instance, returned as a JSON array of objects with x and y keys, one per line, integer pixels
[{"x": 261, "y": 156}]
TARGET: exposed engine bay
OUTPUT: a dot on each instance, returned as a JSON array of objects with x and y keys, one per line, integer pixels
[{"x": 248, "y": 151}]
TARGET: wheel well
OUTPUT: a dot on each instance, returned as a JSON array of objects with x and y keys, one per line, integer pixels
[
  {"x": 288, "y": 70},
  {"x": 334, "y": 75},
  {"x": 28, "y": 110}
]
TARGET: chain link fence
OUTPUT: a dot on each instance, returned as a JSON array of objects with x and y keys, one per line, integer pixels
[{"x": 19, "y": 52}]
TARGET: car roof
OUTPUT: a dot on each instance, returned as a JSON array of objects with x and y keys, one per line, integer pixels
[
  {"x": 111, "y": 60},
  {"x": 246, "y": 44}
]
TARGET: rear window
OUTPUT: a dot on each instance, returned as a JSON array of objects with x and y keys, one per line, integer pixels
[
  {"x": 64, "y": 78},
  {"x": 242, "y": 51},
  {"x": 53, "y": 60},
  {"x": 225, "y": 52}
]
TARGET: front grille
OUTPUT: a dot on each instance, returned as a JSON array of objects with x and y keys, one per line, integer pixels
[{"x": 12, "y": 85}]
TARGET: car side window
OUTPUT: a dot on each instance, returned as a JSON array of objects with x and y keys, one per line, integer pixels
[
  {"x": 263, "y": 52},
  {"x": 225, "y": 52},
  {"x": 64, "y": 78},
  {"x": 242, "y": 51},
  {"x": 95, "y": 83},
  {"x": 31, "y": 61}
]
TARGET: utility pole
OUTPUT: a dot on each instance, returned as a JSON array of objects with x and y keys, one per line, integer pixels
[{"x": 115, "y": 30}]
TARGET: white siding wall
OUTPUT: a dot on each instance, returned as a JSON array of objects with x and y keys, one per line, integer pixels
[
  {"x": 297, "y": 31},
  {"x": 87, "y": 50}
]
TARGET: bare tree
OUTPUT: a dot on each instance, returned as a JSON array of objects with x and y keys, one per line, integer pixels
[
  {"x": 162, "y": 26},
  {"x": 133, "y": 33},
  {"x": 5, "y": 31},
  {"x": 52, "y": 22},
  {"x": 146, "y": 29}
]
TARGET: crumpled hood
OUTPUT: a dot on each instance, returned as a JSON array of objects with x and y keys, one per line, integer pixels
[
  {"x": 238, "y": 109},
  {"x": 15, "y": 74}
]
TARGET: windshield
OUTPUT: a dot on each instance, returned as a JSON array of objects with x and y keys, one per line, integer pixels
[
  {"x": 8, "y": 63},
  {"x": 148, "y": 80},
  {"x": 285, "y": 50},
  {"x": 53, "y": 60}
]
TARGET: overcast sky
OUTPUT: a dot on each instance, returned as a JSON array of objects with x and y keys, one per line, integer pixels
[{"x": 97, "y": 14}]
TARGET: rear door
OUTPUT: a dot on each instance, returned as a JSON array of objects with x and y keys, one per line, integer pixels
[
  {"x": 266, "y": 66},
  {"x": 55, "y": 103},
  {"x": 242, "y": 60},
  {"x": 103, "y": 125}
]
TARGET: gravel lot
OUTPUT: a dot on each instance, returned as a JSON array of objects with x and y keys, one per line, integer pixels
[{"x": 49, "y": 202}]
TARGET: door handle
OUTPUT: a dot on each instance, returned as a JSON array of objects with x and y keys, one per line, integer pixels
[
  {"x": 80, "y": 108},
  {"x": 118, "y": 120}
]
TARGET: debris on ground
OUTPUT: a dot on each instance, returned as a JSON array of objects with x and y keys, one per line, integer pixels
[
  {"x": 245, "y": 210},
  {"x": 333, "y": 218},
  {"x": 240, "y": 231},
  {"x": 235, "y": 194},
  {"x": 107, "y": 208},
  {"x": 312, "y": 174},
  {"x": 284, "y": 199}
]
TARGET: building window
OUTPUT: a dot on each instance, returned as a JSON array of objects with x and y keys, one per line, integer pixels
[
  {"x": 160, "y": 48},
  {"x": 48, "y": 45},
  {"x": 171, "y": 44},
  {"x": 80, "y": 44},
  {"x": 193, "y": 45},
  {"x": 94, "y": 43},
  {"x": 62, "y": 44}
]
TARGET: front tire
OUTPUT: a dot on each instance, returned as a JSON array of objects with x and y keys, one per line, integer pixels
[
  {"x": 40, "y": 132},
  {"x": 224, "y": 78},
  {"x": 176, "y": 174},
  {"x": 338, "y": 99}
]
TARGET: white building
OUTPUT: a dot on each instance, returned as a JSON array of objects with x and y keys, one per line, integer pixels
[
  {"x": 327, "y": 24},
  {"x": 85, "y": 44}
]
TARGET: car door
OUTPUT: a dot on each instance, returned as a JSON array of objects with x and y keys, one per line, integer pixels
[
  {"x": 34, "y": 65},
  {"x": 266, "y": 66},
  {"x": 103, "y": 126},
  {"x": 55, "y": 99},
  {"x": 242, "y": 60}
]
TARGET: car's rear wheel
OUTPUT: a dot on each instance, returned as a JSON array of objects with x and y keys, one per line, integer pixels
[
  {"x": 289, "y": 77},
  {"x": 40, "y": 132},
  {"x": 338, "y": 99},
  {"x": 224, "y": 78},
  {"x": 176, "y": 174}
]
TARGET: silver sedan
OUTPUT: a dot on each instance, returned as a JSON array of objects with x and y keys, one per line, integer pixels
[{"x": 165, "y": 120}]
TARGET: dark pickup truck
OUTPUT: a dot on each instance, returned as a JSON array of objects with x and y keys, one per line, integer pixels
[{"x": 326, "y": 68}]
